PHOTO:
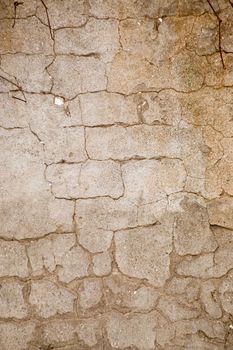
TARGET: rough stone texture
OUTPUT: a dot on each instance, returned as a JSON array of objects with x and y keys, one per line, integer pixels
[
  {"x": 225, "y": 290},
  {"x": 49, "y": 252},
  {"x": 98, "y": 37},
  {"x": 102, "y": 108},
  {"x": 175, "y": 310},
  {"x": 148, "y": 181},
  {"x": 56, "y": 331},
  {"x": 102, "y": 264},
  {"x": 136, "y": 331},
  {"x": 36, "y": 37},
  {"x": 122, "y": 143},
  {"x": 13, "y": 259},
  {"x": 58, "y": 251},
  {"x": 12, "y": 301},
  {"x": 211, "y": 265},
  {"x": 48, "y": 299},
  {"x": 90, "y": 294},
  {"x": 82, "y": 333},
  {"x": 186, "y": 289},
  {"x": 98, "y": 218},
  {"x": 116, "y": 162},
  {"x": 129, "y": 295},
  {"x": 131, "y": 246},
  {"x": 88, "y": 75},
  {"x": 7, "y": 9},
  {"x": 220, "y": 211},
  {"x": 29, "y": 70},
  {"x": 192, "y": 234},
  {"x": 16, "y": 336},
  {"x": 27, "y": 206},
  {"x": 74, "y": 265},
  {"x": 91, "y": 179},
  {"x": 73, "y": 15},
  {"x": 210, "y": 299}
]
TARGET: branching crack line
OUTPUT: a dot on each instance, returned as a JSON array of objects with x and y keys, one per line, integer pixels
[
  {"x": 48, "y": 19},
  {"x": 219, "y": 33},
  {"x": 18, "y": 86}
]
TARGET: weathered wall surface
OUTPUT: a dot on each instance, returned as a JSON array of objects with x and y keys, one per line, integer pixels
[{"x": 116, "y": 162}]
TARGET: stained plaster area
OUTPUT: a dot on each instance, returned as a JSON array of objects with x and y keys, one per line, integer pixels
[{"x": 116, "y": 162}]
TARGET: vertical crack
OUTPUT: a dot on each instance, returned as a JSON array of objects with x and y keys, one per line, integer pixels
[
  {"x": 219, "y": 33},
  {"x": 48, "y": 19}
]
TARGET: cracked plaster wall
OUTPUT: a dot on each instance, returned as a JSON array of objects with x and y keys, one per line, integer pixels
[{"x": 116, "y": 162}]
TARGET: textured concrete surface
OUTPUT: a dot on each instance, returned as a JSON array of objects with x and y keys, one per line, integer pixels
[{"x": 116, "y": 163}]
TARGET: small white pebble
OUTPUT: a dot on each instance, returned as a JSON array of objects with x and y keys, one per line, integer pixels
[
  {"x": 58, "y": 101},
  {"x": 160, "y": 19},
  {"x": 231, "y": 326}
]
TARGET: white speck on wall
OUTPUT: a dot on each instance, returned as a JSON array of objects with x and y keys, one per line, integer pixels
[
  {"x": 59, "y": 101},
  {"x": 160, "y": 19}
]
